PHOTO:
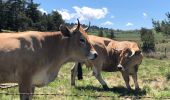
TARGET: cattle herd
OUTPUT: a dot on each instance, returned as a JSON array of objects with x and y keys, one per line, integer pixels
[{"x": 33, "y": 59}]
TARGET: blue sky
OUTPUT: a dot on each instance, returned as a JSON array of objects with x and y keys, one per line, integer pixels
[{"x": 116, "y": 14}]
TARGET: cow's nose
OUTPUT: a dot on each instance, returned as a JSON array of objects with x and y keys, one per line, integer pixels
[
  {"x": 119, "y": 67},
  {"x": 95, "y": 55},
  {"x": 92, "y": 55}
]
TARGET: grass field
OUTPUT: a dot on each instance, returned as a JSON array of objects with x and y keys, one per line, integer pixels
[{"x": 154, "y": 80}]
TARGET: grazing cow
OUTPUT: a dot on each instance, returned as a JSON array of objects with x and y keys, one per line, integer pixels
[
  {"x": 122, "y": 56},
  {"x": 34, "y": 58}
]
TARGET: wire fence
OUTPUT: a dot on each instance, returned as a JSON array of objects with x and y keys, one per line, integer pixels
[{"x": 82, "y": 95}]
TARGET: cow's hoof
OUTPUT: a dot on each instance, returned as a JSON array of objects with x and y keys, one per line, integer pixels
[
  {"x": 129, "y": 89},
  {"x": 137, "y": 90},
  {"x": 80, "y": 78},
  {"x": 105, "y": 87},
  {"x": 73, "y": 84}
]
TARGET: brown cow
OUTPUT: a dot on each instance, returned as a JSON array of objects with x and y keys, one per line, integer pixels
[
  {"x": 34, "y": 58},
  {"x": 124, "y": 56}
]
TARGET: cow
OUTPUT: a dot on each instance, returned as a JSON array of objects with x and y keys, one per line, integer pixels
[
  {"x": 33, "y": 59},
  {"x": 123, "y": 56}
]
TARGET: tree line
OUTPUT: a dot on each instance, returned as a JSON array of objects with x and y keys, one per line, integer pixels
[{"x": 22, "y": 15}]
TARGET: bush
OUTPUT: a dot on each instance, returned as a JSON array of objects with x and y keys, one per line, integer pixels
[
  {"x": 147, "y": 38},
  {"x": 168, "y": 76}
]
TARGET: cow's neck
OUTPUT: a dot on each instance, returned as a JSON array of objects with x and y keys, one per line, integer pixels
[
  {"x": 59, "y": 50},
  {"x": 113, "y": 58}
]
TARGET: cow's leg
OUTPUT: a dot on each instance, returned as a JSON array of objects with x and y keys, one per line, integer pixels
[
  {"x": 79, "y": 71},
  {"x": 74, "y": 73},
  {"x": 98, "y": 76},
  {"x": 32, "y": 89},
  {"x": 126, "y": 79},
  {"x": 26, "y": 88},
  {"x": 134, "y": 76}
]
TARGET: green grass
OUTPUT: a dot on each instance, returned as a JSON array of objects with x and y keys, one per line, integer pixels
[{"x": 153, "y": 80}]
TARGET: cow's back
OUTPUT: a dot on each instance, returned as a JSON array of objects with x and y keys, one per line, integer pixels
[
  {"x": 103, "y": 60},
  {"x": 18, "y": 52},
  {"x": 123, "y": 44},
  {"x": 100, "y": 40}
]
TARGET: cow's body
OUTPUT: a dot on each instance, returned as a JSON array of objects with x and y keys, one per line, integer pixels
[
  {"x": 108, "y": 60},
  {"x": 31, "y": 53},
  {"x": 34, "y": 58}
]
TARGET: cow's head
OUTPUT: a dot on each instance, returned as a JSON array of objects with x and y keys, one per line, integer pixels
[
  {"x": 125, "y": 56},
  {"x": 79, "y": 43}
]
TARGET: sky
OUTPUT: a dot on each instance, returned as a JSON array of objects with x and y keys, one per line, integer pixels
[{"x": 115, "y": 14}]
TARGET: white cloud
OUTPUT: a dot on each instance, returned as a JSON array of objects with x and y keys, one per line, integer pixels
[
  {"x": 145, "y": 14},
  {"x": 112, "y": 16},
  {"x": 107, "y": 23},
  {"x": 65, "y": 14},
  {"x": 129, "y": 24},
  {"x": 54, "y": 10},
  {"x": 86, "y": 13},
  {"x": 42, "y": 10}
]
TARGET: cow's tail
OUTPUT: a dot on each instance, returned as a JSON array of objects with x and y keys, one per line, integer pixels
[{"x": 79, "y": 71}]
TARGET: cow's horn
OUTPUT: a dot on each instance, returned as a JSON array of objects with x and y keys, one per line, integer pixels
[
  {"x": 115, "y": 49},
  {"x": 133, "y": 52},
  {"x": 86, "y": 29},
  {"x": 78, "y": 26}
]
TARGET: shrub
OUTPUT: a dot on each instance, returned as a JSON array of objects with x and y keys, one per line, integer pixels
[{"x": 148, "y": 41}]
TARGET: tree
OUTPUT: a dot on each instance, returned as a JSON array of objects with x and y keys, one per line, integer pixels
[
  {"x": 22, "y": 15},
  {"x": 162, "y": 26},
  {"x": 156, "y": 25},
  {"x": 112, "y": 34},
  {"x": 100, "y": 33},
  {"x": 147, "y": 38},
  {"x": 12, "y": 14},
  {"x": 57, "y": 20},
  {"x": 23, "y": 22},
  {"x": 42, "y": 25},
  {"x": 32, "y": 12},
  {"x": 1, "y": 15}
]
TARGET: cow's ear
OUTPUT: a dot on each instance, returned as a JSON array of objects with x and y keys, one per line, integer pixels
[
  {"x": 129, "y": 52},
  {"x": 138, "y": 52},
  {"x": 116, "y": 51},
  {"x": 65, "y": 31}
]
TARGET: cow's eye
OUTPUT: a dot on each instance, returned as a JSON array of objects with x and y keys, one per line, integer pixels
[
  {"x": 126, "y": 55},
  {"x": 82, "y": 41}
]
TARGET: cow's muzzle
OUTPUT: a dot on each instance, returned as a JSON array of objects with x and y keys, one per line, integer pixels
[
  {"x": 120, "y": 67},
  {"x": 92, "y": 55}
]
